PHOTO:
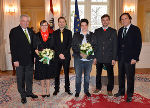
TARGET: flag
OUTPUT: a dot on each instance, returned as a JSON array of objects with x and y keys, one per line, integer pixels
[
  {"x": 76, "y": 19},
  {"x": 51, "y": 21}
]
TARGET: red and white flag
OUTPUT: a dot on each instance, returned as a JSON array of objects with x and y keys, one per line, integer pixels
[{"x": 51, "y": 21}]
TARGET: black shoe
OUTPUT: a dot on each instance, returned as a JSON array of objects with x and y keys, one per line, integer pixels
[
  {"x": 23, "y": 100},
  {"x": 69, "y": 92},
  {"x": 118, "y": 94},
  {"x": 55, "y": 92},
  {"x": 77, "y": 95},
  {"x": 32, "y": 96},
  {"x": 88, "y": 94},
  {"x": 44, "y": 96},
  {"x": 129, "y": 99},
  {"x": 48, "y": 95}
]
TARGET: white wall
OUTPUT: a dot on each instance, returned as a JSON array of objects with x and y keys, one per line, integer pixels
[
  {"x": 144, "y": 56},
  {"x": 10, "y": 21}
]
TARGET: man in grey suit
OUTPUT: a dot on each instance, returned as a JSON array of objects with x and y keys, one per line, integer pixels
[{"x": 106, "y": 53}]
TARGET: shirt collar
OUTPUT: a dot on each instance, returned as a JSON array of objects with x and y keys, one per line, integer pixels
[
  {"x": 104, "y": 27},
  {"x": 128, "y": 26},
  {"x": 62, "y": 30},
  {"x": 24, "y": 29},
  {"x": 83, "y": 34}
]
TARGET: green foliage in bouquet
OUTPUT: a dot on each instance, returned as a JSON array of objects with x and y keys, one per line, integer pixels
[{"x": 46, "y": 55}]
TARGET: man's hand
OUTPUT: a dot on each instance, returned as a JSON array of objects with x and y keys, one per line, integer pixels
[
  {"x": 61, "y": 56},
  {"x": 133, "y": 61},
  {"x": 113, "y": 62},
  {"x": 16, "y": 64},
  {"x": 83, "y": 55}
]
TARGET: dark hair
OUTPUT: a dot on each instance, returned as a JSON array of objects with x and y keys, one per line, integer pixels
[
  {"x": 61, "y": 18},
  {"x": 105, "y": 15},
  {"x": 42, "y": 22},
  {"x": 84, "y": 20},
  {"x": 129, "y": 16}
]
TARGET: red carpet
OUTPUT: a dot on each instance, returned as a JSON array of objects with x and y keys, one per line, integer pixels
[{"x": 104, "y": 101}]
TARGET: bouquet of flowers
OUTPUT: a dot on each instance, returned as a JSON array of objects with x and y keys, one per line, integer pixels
[
  {"x": 86, "y": 49},
  {"x": 46, "y": 55}
]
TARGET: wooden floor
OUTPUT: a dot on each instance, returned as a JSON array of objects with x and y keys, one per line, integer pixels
[{"x": 138, "y": 71}]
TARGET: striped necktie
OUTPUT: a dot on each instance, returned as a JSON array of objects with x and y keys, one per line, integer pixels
[{"x": 124, "y": 32}]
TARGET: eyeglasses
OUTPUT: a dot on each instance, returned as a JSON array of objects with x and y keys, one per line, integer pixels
[{"x": 44, "y": 25}]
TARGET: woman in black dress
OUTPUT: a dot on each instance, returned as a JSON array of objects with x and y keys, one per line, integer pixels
[{"x": 43, "y": 72}]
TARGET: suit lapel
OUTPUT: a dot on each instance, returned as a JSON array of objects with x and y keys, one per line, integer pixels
[
  {"x": 120, "y": 34},
  {"x": 108, "y": 32},
  {"x": 59, "y": 36},
  {"x": 102, "y": 36},
  {"x": 105, "y": 34},
  {"x": 22, "y": 33},
  {"x": 128, "y": 32}
]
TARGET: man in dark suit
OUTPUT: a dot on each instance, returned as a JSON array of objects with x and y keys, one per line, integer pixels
[
  {"x": 21, "y": 41},
  {"x": 106, "y": 53},
  {"x": 129, "y": 48},
  {"x": 63, "y": 39}
]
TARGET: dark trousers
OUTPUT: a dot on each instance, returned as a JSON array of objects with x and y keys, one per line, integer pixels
[
  {"x": 128, "y": 69},
  {"x": 24, "y": 79},
  {"x": 110, "y": 75},
  {"x": 66, "y": 65}
]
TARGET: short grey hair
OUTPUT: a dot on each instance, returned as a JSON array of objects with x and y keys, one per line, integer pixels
[{"x": 24, "y": 15}]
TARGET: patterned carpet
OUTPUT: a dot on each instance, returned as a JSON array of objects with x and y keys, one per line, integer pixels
[{"x": 10, "y": 98}]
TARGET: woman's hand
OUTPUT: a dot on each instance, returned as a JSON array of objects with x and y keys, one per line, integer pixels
[
  {"x": 95, "y": 61},
  {"x": 83, "y": 55},
  {"x": 37, "y": 52}
]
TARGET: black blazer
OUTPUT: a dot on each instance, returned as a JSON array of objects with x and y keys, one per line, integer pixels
[
  {"x": 39, "y": 44},
  {"x": 133, "y": 43},
  {"x": 106, "y": 45},
  {"x": 21, "y": 49},
  {"x": 77, "y": 41},
  {"x": 62, "y": 48}
]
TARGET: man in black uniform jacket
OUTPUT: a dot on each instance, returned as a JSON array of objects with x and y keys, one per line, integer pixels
[
  {"x": 106, "y": 53},
  {"x": 62, "y": 39},
  {"x": 129, "y": 48},
  {"x": 21, "y": 46}
]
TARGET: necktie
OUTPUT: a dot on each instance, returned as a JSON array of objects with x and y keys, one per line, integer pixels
[
  {"x": 124, "y": 32},
  {"x": 61, "y": 36},
  {"x": 27, "y": 36}
]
